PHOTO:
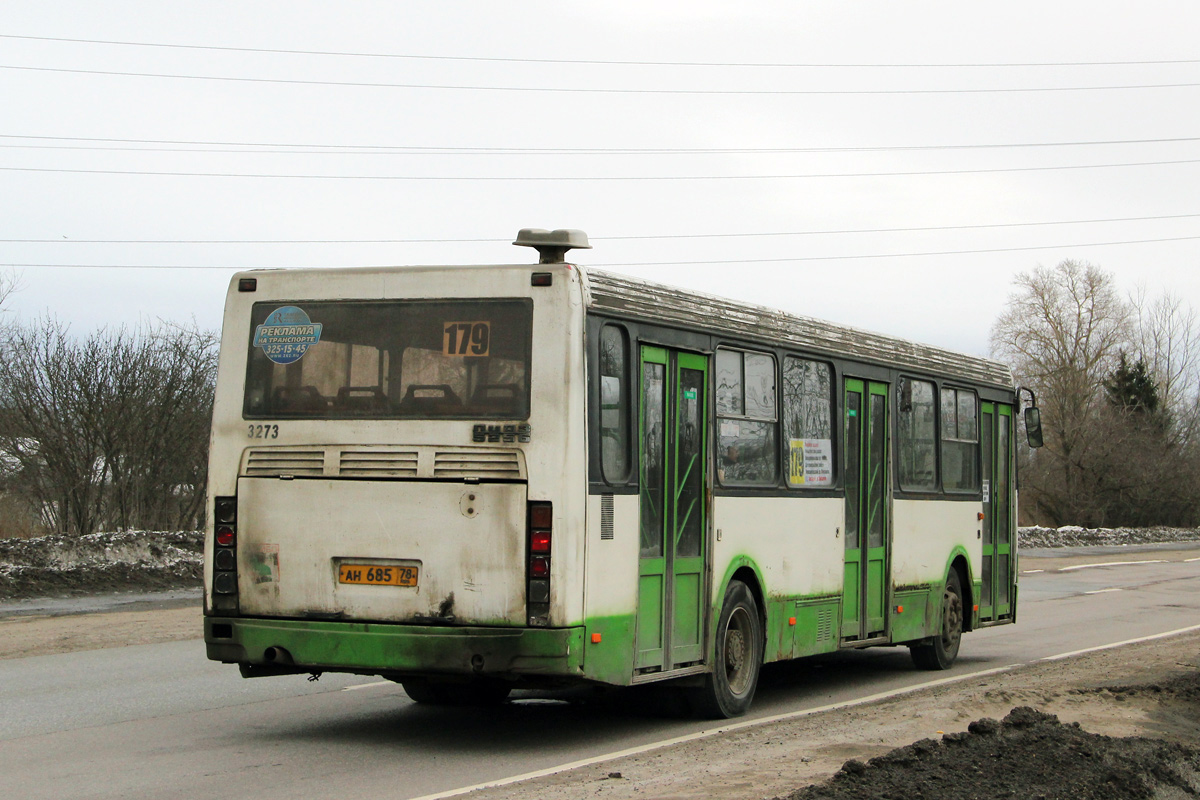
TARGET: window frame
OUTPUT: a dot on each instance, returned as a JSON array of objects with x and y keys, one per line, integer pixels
[
  {"x": 772, "y": 423},
  {"x": 626, "y": 402},
  {"x": 934, "y": 485},
  {"x": 256, "y": 370},
  {"x": 835, "y": 461},
  {"x": 943, "y": 439}
]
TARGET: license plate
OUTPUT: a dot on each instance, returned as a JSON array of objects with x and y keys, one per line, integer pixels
[{"x": 374, "y": 575}]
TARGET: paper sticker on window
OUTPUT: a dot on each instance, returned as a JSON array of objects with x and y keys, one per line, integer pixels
[
  {"x": 287, "y": 334},
  {"x": 466, "y": 338},
  {"x": 810, "y": 462}
]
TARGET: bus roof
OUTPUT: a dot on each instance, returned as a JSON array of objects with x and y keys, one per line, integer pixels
[{"x": 626, "y": 296}]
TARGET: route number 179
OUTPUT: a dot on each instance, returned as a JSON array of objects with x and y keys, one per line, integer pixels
[{"x": 466, "y": 338}]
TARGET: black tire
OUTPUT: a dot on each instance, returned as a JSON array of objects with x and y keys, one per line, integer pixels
[
  {"x": 728, "y": 689},
  {"x": 428, "y": 691},
  {"x": 940, "y": 651}
]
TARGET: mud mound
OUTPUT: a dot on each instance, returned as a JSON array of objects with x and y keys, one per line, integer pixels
[
  {"x": 1027, "y": 755},
  {"x": 100, "y": 562},
  {"x": 1075, "y": 536}
]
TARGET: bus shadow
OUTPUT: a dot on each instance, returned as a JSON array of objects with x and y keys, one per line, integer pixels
[
  {"x": 539, "y": 722},
  {"x": 530, "y": 722}
]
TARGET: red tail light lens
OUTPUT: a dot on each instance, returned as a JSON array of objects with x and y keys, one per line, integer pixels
[
  {"x": 541, "y": 515},
  {"x": 537, "y": 589},
  {"x": 224, "y": 556}
]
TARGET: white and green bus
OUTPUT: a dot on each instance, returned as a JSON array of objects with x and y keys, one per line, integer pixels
[{"x": 475, "y": 479}]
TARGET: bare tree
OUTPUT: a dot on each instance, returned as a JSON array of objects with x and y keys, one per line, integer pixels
[
  {"x": 111, "y": 430},
  {"x": 1168, "y": 341},
  {"x": 1117, "y": 384},
  {"x": 1063, "y": 331}
]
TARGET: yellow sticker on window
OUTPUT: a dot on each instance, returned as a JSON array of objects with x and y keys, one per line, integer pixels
[
  {"x": 810, "y": 462},
  {"x": 466, "y": 338}
]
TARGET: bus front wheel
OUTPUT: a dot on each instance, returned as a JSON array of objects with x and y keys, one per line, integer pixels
[
  {"x": 940, "y": 651},
  {"x": 729, "y": 688}
]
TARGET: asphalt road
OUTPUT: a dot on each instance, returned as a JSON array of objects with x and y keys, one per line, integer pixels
[{"x": 160, "y": 720}]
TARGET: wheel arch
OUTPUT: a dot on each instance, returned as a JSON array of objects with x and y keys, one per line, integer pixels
[
  {"x": 962, "y": 565},
  {"x": 745, "y": 570}
]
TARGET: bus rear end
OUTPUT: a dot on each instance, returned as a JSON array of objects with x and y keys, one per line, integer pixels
[{"x": 390, "y": 472}]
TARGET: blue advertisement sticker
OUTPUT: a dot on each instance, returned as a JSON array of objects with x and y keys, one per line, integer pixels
[{"x": 287, "y": 334}]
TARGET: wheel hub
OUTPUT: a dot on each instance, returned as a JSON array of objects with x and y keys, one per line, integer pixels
[{"x": 735, "y": 651}]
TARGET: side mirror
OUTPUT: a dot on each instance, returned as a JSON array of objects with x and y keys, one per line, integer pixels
[{"x": 1033, "y": 426}]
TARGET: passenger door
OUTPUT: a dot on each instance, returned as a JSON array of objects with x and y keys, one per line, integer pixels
[
  {"x": 673, "y": 472},
  {"x": 864, "y": 591},
  {"x": 997, "y": 567}
]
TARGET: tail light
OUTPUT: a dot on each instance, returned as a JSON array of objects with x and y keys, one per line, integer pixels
[
  {"x": 540, "y": 538},
  {"x": 225, "y": 582}
]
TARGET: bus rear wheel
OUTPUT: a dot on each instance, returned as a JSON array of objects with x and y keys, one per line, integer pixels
[
  {"x": 729, "y": 688},
  {"x": 940, "y": 651},
  {"x": 428, "y": 691}
]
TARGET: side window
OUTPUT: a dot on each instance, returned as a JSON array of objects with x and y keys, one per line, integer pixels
[
  {"x": 960, "y": 440},
  {"x": 614, "y": 404},
  {"x": 746, "y": 418},
  {"x": 808, "y": 422},
  {"x": 916, "y": 436}
]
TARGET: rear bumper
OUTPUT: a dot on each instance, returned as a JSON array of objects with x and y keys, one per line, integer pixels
[{"x": 366, "y": 647}]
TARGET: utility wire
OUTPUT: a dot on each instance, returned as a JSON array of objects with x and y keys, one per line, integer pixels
[
  {"x": 599, "y": 62},
  {"x": 309, "y": 149},
  {"x": 892, "y": 255},
  {"x": 546, "y": 178},
  {"x": 662, "y": 237},
  {"x": 658, "y": 263},
  {"x": 601, "y": 90}
]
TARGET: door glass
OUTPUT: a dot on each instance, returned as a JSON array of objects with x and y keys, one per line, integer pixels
[
  {"x": 1003, "y": 512},
  {"x": 1000, "y": 492},
  {"x": 876, "y": 487},
  {"x": 853, "y": 450},
  {"x": 689, "y": 470},
  {"x": 987, "y": 478},
  {"x": 986, "y": 437},
  {"x": 653, "y": 431}
]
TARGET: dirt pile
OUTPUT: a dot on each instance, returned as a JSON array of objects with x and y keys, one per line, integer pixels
[
  {"x": 1029, "y": 754},
  {"x": 100, "y": 562}
]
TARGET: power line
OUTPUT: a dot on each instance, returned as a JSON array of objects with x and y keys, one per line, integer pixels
[
  {"x": 183, "y": 146},
  {"x": 547, "y": 178},
  {"x": 893, "y": 255},
  {"x": 653, "y": 263},
  {"x": 601, "y": 90},
  {"x": 855, "y": 231},
  {"x": 599, "y": 62}
]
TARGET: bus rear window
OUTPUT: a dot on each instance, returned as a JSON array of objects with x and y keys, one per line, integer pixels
[{"x": 396, "y": 359}]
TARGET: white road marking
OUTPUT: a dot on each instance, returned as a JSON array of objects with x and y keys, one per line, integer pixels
[
  {"x": 1109, "y": 564},
  {"x": 691, "y": 737},
  {"x": 367, "y": 685},
  {"x": 1102, "y": 591},
  {"x": 1031, "y": 571},
  {"x": 1152, "y": 637},
  {"x": 1190, "y": 560}
]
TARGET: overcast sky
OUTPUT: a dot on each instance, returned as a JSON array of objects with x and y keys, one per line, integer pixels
[{"x": 886, "y": 165}]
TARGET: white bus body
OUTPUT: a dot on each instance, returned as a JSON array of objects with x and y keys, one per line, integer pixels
[{"x": 470, "y": 479}]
